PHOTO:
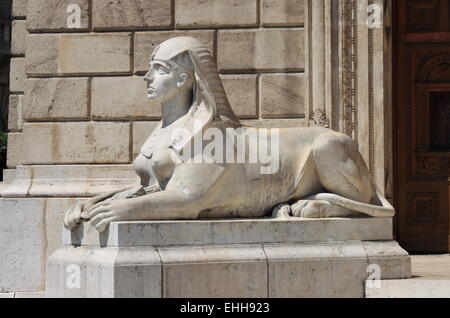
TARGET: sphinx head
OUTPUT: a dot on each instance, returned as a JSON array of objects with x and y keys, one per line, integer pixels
[{"x": 171, "y": 71}]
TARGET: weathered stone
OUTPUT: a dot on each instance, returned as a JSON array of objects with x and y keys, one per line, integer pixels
[
  {"x": 17, "y": 75},
  {"x": 67, "y": 180},
  {"x": 53, "y": 15},
  {"x": 107, "y": 53},
  {"x": 19, "y": 8},
  {"x": 262, "y": 49},
  {"x": 283, "y": 12},
  {"x": 294, "y": 270},
  {"x": 29, "y": 295},
  {"x": 277, "y": 123},
  {"x": 145, "y": 43},
  {"x": 19, "y": 35},
  {"x": 141, "y": 131},
  {"x": 215, "y": 13},
  {"x": 21, "y": 244},
  {"x": 220, "y": 232},
  {"x": 131, "y": 14},
  {"x": 15, "y": 120},
  {"x": 241, "y": 93},
  {"x": 42, "y": 54},
  {"x": 56, "y": 98},
  {"x": 122, "y": 98},
  {"x": 211, "y": 271},
  {"x": 282, "y": 95},
  {"x": 70, "y": 143},
  {"x": 14, "y": 153},
  {"x": 6, "y": 295}
]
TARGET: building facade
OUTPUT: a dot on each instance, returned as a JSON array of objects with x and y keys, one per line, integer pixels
[{"x": 78, "y": 113}]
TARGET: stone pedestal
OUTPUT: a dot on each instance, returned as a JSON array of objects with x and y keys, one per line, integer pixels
[{"x": 226, "y": 258}]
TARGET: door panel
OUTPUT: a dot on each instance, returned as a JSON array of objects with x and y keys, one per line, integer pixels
[{"x": 423, "y": 124}]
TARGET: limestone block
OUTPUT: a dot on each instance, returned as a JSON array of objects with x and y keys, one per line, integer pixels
[
  {"x": 17, "y": 75},
  {"x": 54, "y": 217},
  {"x": 56, "y": 98},
  {"x": 19, "y": 8},
  {"x": 71, "y": 143},
  {"x": 118, "y": 273},
  {"x": 122, "y": 98},
  {"x": 52, "y": 15},
  {"x": 141, "y": 131},
  {"x": 14, "y": 153},
  {"x": 262, "y": 49},
  {"x": 293, "y": 270},
  {"x": 208, "y": 271},
  {"x": 104, "y": 53},
  {"x": 145, "y": 43},
  {"x": 215, "y": 13},
  {"x": 282, "y": 95},
  {"x": 283, "y": 12},
  {"x": 42, "y": 54},
  {"x": 131, "y": 14},
  {"x": 68, "y": 180},
  {"x": 277, "y": 123},
  {"x": 29, "y": 295},
  {"x": 6, "y": 295},
  {"x": 21, "y": 244},
  {"x": 241, "y": 93},
  {"x": 221, "y": 232},
  {"x": 15, "y": 120},
  {"x": 393, "y": 261},
  {"x": 18, "y": 35}
]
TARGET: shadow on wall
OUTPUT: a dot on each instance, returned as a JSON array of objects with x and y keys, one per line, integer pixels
[{"x": 5, "y": 52}]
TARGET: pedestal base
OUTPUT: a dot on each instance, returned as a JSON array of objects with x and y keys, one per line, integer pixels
[{"x": 294, "y": 258}]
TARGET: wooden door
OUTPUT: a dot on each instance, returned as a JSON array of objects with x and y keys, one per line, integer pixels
[{"x": 422, "y": 124}]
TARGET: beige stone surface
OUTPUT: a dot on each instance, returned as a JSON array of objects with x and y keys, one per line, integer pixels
[
  {"x": 29, "y": 295},
  {"x": 141, "y": 131},
  {"x": 209, "y": 272},
  {"x": 67, "y": 143},
  {"x": 97, "y": 53},
  {"x": 261, "y": 49},
  {"x": 122, "y": 98},
  {"x": 15, "y": 120},
  {"x": 294, "y": 270},
  {"x": 18, "y": 35},
  {"x": 6, "y": 295},
  {"x": 42, "y": 54},
  {"x": 51, "y": 15},
  {"x": 241, "y": 93},
  {"x": 215, "y": 13},
  {"x": 277, "y": 123},
  {"x": 78, "y": 54},
  {"x": 22, "y": 244},
  {"x": 14, "y": 153},
  {"x": 131, "y": 14},
  {"x": 233, "y": 231},
  {"x": 19, "y": 8},
  {"x": 67, "y": 180},
  {"x": 56, "y": 98},
  {"x": 145, "y": 43},
  {"x": 17, "y": 75},
  {"x": 283, "y": 12},
  {"x": 282, "y": 95}
]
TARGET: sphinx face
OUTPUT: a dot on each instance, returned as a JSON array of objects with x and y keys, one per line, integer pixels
[{"x": 162, "y": 82}]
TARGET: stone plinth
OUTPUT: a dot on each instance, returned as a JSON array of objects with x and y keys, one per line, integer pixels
[{"x": 226, "y": 258}]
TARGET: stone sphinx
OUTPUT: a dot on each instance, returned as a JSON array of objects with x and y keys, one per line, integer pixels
[{"x": 319, "y": 173}]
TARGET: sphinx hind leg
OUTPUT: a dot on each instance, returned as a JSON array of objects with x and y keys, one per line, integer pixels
[
  {"x": 341, "y": 168},
  {"x": 341, "y": 171}
]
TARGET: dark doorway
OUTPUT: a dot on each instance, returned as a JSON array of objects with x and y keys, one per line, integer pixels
[{"x": 422, "y": 123}]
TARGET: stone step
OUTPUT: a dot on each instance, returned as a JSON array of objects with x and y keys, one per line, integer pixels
[
  {"x": 411, "y": 288},
  {"x": 430, "y": 279}
]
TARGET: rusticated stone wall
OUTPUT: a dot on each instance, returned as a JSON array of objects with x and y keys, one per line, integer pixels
[{"x": 84, "y": 95}]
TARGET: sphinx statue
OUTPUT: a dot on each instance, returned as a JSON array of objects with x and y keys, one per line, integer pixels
[{"x": 313, "y": 172}]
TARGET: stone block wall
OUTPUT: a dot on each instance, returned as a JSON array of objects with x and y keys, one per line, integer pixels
[{"x": 73, "y": 85}]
